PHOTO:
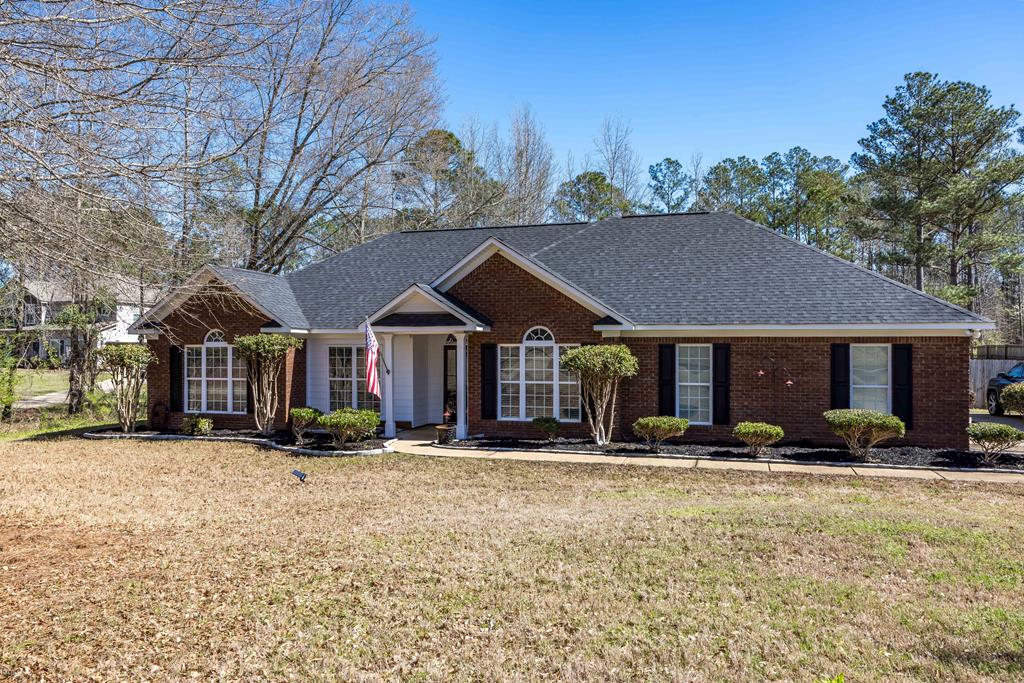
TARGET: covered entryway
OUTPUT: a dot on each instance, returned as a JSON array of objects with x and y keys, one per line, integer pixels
[{"x": 423, "y": 337}]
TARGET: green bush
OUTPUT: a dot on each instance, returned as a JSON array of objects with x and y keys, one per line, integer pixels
[
  {"x": 656, "y": 429},
  {"x": 349, "y": 424},
  {"x": 1012, "y": 398},
  {"x": 302, "y": 420},
  {"x": 993, "y": 439},
  {"x": 548, "y": 425},
  {"x": 757, "y": 435},
  {"x": 863, "y": 429},
  {"x": 193, "y": 425}
]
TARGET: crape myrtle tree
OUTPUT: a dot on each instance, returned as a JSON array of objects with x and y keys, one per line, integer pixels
[
  {"x": 600, "y": 368},
  {"x": 127, "y": 365},
  {"x": 264, "y": 356},
  {"x": 83, "y": 321}
]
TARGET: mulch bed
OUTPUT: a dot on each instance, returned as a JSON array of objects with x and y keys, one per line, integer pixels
[{"x": 899, "y": 456}]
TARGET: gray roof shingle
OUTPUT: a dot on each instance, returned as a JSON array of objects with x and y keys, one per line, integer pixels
[{"x": 682, "y": 269}]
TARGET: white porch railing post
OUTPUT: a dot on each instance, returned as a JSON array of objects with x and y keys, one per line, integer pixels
[
  {"x": 388, "y": 404},
  {"x": 461, "y": 428}
]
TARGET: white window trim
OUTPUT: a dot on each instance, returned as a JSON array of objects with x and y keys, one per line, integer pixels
[
  {"x": 230, "y": 379},
  {"x": 888, "y": 369},
  {"x": 354, "y": 378},
  {"x": 556, "y": 384},
  {"x": 710, "y": 384}
]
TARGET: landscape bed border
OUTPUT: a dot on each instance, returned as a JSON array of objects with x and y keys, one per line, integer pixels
[
  {"x": 780, "y": 461},
  {"x": 268, "y": 443}
]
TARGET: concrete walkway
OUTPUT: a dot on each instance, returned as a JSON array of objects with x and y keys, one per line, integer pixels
[
  {"x": 56, "y": 398},
  {"x": 419, "y": 442}
]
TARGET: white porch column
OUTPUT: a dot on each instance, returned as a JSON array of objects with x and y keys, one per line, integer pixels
[
  {"x": 461, "y": 428},
  {"x": 388, "y": 400}
]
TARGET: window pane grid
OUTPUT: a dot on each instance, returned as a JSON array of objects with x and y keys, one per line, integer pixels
[
  {"x": 509, "y": 375},
  {"x": 532, "y": 383},
  {"x": 215, "y": 379},
  {"x": 347, "y": 379},
  {"x": 694, "y": 380},
  {"x": 869, "y": 377}
]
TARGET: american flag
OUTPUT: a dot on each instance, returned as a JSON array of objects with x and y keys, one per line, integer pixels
[{"x": 372, "y": 349}]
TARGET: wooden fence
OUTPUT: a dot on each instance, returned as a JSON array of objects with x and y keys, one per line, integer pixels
[{"x": 982, "y": 370}]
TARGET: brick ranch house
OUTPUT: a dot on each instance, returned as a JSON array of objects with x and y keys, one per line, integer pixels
[{"x": 730, "y": 321}]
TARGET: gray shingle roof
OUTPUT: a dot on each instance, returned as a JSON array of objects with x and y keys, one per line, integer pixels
[
  {"x": 272, "y": 292},
  {"x": 682, "y": 269}
]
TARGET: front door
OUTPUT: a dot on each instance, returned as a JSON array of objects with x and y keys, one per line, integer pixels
[{"x": 450, "y": 383}]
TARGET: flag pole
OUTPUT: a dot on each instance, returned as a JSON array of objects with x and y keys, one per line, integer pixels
[{"x": 382, "y": 361}]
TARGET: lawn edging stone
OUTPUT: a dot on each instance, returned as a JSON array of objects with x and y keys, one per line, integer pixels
[{"x": 294, "y": 450}]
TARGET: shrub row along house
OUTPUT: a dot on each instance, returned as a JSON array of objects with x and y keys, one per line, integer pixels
[{"x": 730, "y": 321}]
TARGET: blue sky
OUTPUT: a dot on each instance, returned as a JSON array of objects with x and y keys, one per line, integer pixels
[{"x": 724, "y": 78}]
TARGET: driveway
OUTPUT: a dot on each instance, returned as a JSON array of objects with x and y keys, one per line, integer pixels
[{"x": 56, "y": 398}]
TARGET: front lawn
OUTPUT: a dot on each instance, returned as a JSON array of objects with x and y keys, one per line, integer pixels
[{"x": 135, "y": 560}]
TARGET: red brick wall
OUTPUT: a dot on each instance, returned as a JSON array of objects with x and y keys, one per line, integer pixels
[
  {"x": 516, "y": 301},
  {"x": 189, "y": 325},
  {"x": 940, "y": 380}
]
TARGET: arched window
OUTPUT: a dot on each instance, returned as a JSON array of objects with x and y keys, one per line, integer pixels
[
  {"x": 215, "y": 378},
  {"x": 538, "y": 334},
  {"x": 532, "y": 383}
]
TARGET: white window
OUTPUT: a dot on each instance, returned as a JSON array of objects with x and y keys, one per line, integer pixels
[
  {"x": 215, "y": 379},
  {"x": 346, "y": 376},
  {"x": 869, "y": 377},
  {"x": 532, "y": 382},
  {"x": 693, "y": 375}
]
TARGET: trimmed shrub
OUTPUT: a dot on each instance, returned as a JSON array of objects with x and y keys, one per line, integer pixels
[
  {"x": 757, "y": 435},
  {"x": 302, "y": 420},
  {"x": 1012, "y": 398},
  {"x": 993, "y": 439},
  {"x": 656, "y": 429},
  {"x": 349, "y": 424},
  {"x": 548, "y": 425},
  {"x": 863, "y": 429},
  {"x": 193, "y": 425}
]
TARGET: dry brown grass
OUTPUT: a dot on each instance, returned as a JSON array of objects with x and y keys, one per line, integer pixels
[{"x": 170, "y": 561}]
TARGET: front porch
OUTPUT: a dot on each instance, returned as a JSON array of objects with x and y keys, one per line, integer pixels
[
  {"x": 423, "y": 380},
  {"x": 422, "y": 376}
]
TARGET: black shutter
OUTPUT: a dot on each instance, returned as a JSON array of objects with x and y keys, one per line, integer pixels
[
  {"x": 720, "y": 363},
  {"x": 840, "y": 376},
  {"x": 903, "y": 383},
  {"x": 250, "y": 402},
  {"x": 489, "y": 381},
  {"x": 176, "y": 371},
  {"x": 666, "y": 379}
]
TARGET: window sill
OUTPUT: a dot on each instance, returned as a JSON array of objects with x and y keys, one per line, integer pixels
[
  {"x": 213, "y": 412},
  {"x": 530, "y": 419}
]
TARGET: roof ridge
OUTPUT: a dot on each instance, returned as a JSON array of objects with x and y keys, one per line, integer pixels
[
  {"x": 491, "y": 227},
  {"x": 564, "y": 238},
  {"x": 857, "y": 266},
  {"x": 246, "y": 270}
]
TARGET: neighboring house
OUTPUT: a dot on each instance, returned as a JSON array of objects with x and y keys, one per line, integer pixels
[
  {"x": 44, "y": 300},
  {"x": 730, "y": 321}
]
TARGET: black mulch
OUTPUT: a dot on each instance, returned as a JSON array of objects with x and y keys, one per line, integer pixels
[{"x": 891, "y": 455}]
